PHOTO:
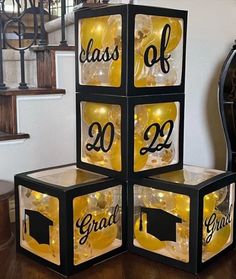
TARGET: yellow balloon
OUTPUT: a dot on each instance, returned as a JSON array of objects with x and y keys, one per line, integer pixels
[
  {"x": 154, "y": 38},
  {"x": 209, "y": 204},
  {"x": 139, "y": 160},
  {"x": 145, "y": 239},
  {"x": 93, "y": 28},
  {"x": 80, "y": 205},
  {"x": 96, "y": 112},
  {"x": 158, "y": 23},
  {"x": 219, "y": 237},
  {"x": 160, "y": 113},
  {"x": 40, "y": 249},
  {"x": 182, "y": 206},
  {"x": 115, "y": 155},
  {"x": 112, "y": 33},
  {"x": 114, "y": 73},
  {"x": 101, "y": 239}
]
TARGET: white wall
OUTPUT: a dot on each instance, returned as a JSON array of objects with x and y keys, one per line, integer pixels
[
  {"x": 50, "y": 121},
  {"x": 211, "y": 33}
]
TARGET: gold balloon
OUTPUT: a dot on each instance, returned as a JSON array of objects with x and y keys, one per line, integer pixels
[
  {"x": 112, "y": 33},
  {"x": 100, "y": 200},
  {"x": 114, "y": 74},
  {"x": 182, "y": 206},
  {"x": 139, "y": 160},
  {"x": 80, "y": 205},
  {"x": 156, "y": 198},
  {"x": 219, "y": 238},
  {"x": 145, "y": 239},
  {"x": 40, "y": 249},
  {"x": 161, "y": 112},
  {"x": 115, "y": 155},
  {"x": 96, "y": 112},
  {"x": 154, "y": 38},
  {"x": 101, "y": 239},
  {"x": 93, "y": 28},
  {"x": 158, "y": 24},
  {"x": 209, "y": 204}
]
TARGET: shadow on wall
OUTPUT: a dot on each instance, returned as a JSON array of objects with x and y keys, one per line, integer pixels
[{"x": 214, "y": 124}]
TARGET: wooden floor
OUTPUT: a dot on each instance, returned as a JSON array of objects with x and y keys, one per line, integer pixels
[{"x": 125, "y": 266}]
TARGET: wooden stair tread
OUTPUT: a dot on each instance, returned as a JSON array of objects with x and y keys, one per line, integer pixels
[
  {"x": 7, "y": 136},
  {"x": 31, "y": 91}
]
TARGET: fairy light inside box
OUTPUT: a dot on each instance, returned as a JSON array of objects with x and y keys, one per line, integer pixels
[
  {"x": 152, "y": 58},
  {"x": 183, "y": 218},
  {"x": 69, "y": 219}
]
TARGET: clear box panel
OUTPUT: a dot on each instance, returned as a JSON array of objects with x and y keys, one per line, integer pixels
[
  {"x": 97, "y": 219},
  {"x": 218, "y": 221},
  {"x": 161, "y": 222},
  {"x": 66, "y": 176},
  {"x": 189, "y": 175},
  {"x": 39, "y": 224},
  {"x": 156, "y": 138},
  {"x": 101, "y": 135},
  {"x": 100, "y": 47},
  {"x": 158, "y": 52}
]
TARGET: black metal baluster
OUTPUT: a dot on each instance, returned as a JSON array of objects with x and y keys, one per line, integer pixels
[
  {"x": 63, "y": 41},
  {"x": 22, "y": 84},
  {"x": 42, "y": 41},
  {"x": 2, "y": 84}
]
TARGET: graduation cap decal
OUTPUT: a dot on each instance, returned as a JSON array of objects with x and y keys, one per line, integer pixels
[
  {"x": 160, "y": 223},
  {"x": 38, "y": 226}
]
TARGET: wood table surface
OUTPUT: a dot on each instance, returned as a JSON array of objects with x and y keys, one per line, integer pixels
[{"x": 124, "y": 266}]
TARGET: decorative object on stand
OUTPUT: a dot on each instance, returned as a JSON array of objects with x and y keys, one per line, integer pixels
[
  {"x": 69, "y": 219},
  {"x": 183, "y": 218},
  {"x": 227, "y": 101}
]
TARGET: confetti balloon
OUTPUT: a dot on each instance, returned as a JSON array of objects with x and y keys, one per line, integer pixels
[
  {"x": 143, "y": 26},
  {"x": 182, "y": 206},
  {"x": 220, "y": 195},
  {"x": 115, "y": 118},
  {"x": 100, "y": 200},
  {"x": 140, "y": 119},
  {"x": 101, "y": 239},
  {"x": 164, "y": 79},
  {"x": 112, "y": 34},
  {"x": 81, "y": 252},
  {"x": 179, "y": 249},
  {"x": 209, "y": 204},
  {"x": 95, "y": 73},
  {"x": 114, "y": 74},
  {"x": 155, "y": 198},
  {"x": 219, "y": 237},
  {"x": 93, "y": 28},
  {"x": 145, "y": 239},
  {"x": 96, "y": 112}
]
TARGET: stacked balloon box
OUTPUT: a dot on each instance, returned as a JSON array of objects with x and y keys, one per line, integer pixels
[
  {"x": 130, "y": 71},
  {"x": 69, "y": 219},
  {"x": 184, "y": 218},
  {"x": 124, "y": 137}
]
